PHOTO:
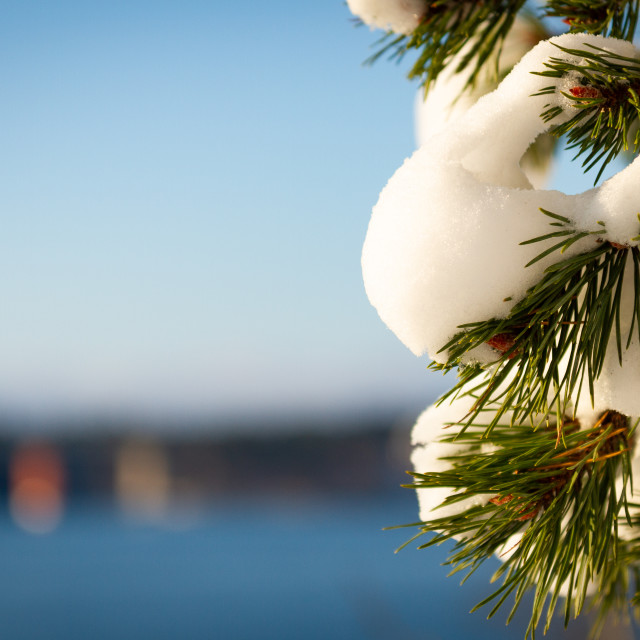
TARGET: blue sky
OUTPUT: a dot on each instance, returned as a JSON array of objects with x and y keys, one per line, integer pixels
[{"x": 186, "y": 188}]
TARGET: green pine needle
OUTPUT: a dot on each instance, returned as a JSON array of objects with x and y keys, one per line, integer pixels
[
  {"x": 606, "y": 103},
  {"x": 615, "y": 18},
  {"x": 556, "y": 486},
  {"x": 448, "y": 27},
  {"x": 554, "y": 341}
]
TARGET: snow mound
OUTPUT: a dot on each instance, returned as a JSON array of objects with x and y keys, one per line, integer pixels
[{"x": 443, "y": 244}]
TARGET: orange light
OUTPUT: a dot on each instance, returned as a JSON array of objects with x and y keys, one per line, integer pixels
[{"x": 37, "y": 483}]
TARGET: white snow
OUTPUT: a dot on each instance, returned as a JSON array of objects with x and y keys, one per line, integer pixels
[
  {"x": 447, "y": 99},
  {"x": 443, "y": 245},
  {"x": 428, "y": 453},
  {"x": 401, "y": 16}
]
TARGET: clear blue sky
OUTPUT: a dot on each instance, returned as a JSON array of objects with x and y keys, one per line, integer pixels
[{"x": 185, "y": 190}]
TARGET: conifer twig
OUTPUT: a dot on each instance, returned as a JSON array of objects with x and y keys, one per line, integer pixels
[
  {"x": 554, "y": 341},
  {"x": 616, "y": 18},
  {"x": 562, "y": 503},
  {"x": 449, "y": 27},
  {"x": 606, "y": 100}
]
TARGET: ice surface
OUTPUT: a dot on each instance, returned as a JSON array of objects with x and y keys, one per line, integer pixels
[{"x": 401, "y": 16}]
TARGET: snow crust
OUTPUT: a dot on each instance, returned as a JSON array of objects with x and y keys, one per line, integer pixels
[
  {"x": 401, "y": 16},
  {"x": 443, "y": 244}
]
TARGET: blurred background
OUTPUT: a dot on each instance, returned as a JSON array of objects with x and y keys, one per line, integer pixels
[{"x": 203, "y": 424}]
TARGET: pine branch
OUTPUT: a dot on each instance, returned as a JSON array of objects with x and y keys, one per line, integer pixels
[
  {"x": 562, "y": 490},
  {"x": 607, "y": 103},
  {"x": 552, "y": 493},
  {"x": 449, "y": 27},
  {"x": 615, "y": 18},
  {"x": 554, "y": 341}
]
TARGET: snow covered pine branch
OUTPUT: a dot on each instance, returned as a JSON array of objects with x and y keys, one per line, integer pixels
[
  {"x": 534, "y": 296},
  {"x": 455, "y": 216}
]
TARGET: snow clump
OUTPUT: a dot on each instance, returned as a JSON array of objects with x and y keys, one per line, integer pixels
[
  {"x": 449, "y": 97},
  {"x": 400, "y": 16},
  {"x": 443, "y": 244},
  {"x": 429, "y": 455}
]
